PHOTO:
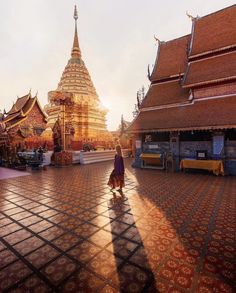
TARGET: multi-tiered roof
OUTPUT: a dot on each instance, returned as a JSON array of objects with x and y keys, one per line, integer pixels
[
  {"x": 193, "y": 80},
  {"x": 168, "y": 71},
  {"x": 212, "y": 54},
  {"x": 21, "y": 109}
]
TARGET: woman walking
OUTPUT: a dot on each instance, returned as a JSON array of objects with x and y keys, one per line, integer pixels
[{"x": 117, "y": 175}]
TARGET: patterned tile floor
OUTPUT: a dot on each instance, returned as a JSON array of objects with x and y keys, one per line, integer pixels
[{"x": 62, "y": 230}]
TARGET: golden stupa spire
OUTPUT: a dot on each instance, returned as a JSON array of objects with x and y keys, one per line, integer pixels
[{"x": 75, "y": 53}]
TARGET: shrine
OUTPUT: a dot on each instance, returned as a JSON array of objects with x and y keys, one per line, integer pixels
[
  {"x": 188, "y": 113},
  {"x": 74, "y": 109},
  {"x": 22, "y": 128},
  {"x": 24, "y": 123}
]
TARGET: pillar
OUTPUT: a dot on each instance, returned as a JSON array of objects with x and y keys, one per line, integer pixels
[
  {"x": 175, "y": 149},
  {"x": 137, "y": 150}
]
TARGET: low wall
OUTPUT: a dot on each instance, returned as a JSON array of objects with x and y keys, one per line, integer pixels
[
  {"x": 47, "y": 158},
  {"x": 87, "y": 157},
  {"x": 100, "y": 156},
  {"x": 75, "y": 157}
]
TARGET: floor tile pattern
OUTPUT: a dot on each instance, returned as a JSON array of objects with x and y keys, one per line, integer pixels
[{"x": 62, "y": 230}]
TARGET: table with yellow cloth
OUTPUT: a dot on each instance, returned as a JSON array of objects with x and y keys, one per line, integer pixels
[
  {"x": 216, "y": 166},
  {"x": 151, "y": 158}
]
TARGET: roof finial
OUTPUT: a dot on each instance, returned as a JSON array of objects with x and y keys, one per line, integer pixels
[
  {"x": 149, "y": 75},
  {"x": 190, "y": 16},
  {"x": 76, "y": 50},
  {"x": 158, "y": 40}
]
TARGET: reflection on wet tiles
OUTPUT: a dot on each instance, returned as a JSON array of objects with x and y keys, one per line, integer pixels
[
  {"x": 83, "y": 281},
  {"x": 13, "y": 273},
  {"x": 59, "y": 269},
  {"x": 32, "y": 284},
  {"x": 64, "y": 230},
  {"x": 6, "y": 257},
  {"x": 84, "y": 251},
  {"x": 28, "y": 245},
  {"x": 42, "y": 255}
]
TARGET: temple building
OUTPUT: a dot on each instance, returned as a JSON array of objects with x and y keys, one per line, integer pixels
[
  {"x": 190, "y": 107},
  {"x": 76, "y": 105},
  {"x": 24, "y": 124}
]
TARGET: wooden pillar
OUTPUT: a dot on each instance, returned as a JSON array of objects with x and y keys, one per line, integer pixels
[
  {"x": 63, "y": 127},
  {"x": 137, "y": 149},
  {"x": 175, "y": 148},
  {"x": 218, "y": 143}
]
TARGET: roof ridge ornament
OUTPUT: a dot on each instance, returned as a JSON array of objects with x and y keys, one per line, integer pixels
[
  {"x": 190, "y": 98},
  {"x": 192, "y": 17},
  {"x": 149, "y": 74},
  {"x": 158, "y": 40}
]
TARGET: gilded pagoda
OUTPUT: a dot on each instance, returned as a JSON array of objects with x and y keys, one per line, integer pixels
[{"x": 75, "y": 106}]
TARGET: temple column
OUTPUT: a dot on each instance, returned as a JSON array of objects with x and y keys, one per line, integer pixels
[
  {"x": 137, "y": 149},
  {"x": 175, "y": 149}
]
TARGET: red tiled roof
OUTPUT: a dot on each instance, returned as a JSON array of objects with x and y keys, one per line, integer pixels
[
  {"x": 11, "y": 116},
  {"x": 13, "y": 122},
  {"x": 24, "y": 104},
  {"x": 203, "y": 114},
  {"x": 165, "y": 93},
  {"x": 213, "y": 69},
  {"x": 29, "y": 104},
  {"x": 171, "y": 58},
  {"x": 214, "y": 31},
  {"x": 20, "y": 103}
]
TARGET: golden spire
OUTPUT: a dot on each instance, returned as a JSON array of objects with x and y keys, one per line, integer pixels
[{"x": 75, "y": 53}]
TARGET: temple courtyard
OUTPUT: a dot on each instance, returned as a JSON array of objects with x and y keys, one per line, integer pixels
[{"x": 62, "y": 230}]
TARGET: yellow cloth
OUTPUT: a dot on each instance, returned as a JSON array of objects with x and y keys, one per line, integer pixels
[
  {"x": 151, "y": 159},
  {"x": 216, "y": 166},
  {"x": 142, "y": 156}
]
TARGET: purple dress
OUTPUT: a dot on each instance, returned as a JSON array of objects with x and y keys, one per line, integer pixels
[
  {"x": 117, "y": 175},
  {"x": 119, "y": 165}
]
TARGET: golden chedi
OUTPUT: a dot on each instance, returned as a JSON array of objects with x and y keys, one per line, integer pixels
[{"x": 75, "y": 105}]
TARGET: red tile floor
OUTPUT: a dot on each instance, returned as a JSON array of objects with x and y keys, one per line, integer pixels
[{"x": 62, "y": 230}]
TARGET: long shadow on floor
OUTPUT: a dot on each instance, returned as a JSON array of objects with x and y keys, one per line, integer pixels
[{"x": 134, "y": 273}]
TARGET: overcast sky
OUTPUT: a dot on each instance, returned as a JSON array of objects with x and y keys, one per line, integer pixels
[{"x": 116, "y": 39}]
